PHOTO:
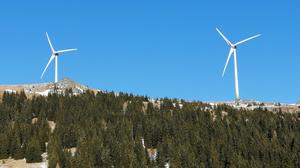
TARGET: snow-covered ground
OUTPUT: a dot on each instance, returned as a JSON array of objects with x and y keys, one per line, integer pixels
[
  {"x": 11, "y": 163},
  {"x": 44, "y": 93}
]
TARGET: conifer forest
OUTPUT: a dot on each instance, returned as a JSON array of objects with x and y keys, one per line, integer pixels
[{"x": 122, "y": 130}]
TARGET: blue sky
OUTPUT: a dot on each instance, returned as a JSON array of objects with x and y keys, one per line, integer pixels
[{"x": 156, "y": 48}]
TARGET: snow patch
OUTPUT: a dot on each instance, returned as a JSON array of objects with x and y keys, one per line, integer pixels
[
  {"x": 10, "y": 91},
  {"x": 44, "y": 93},
  {"x": 81, "y": 90}
]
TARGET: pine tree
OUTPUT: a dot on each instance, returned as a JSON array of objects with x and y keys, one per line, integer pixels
[
  {"x": 19, "y": 151},
  {"x": 140, "y": 159},
  {"x": 54, "y": 151},
  {"x": 33, "y": 151},
  {"x": 4, "y": 146}
]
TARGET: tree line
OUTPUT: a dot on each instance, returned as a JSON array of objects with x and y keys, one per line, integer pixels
[{"x": 106, "y": 130}]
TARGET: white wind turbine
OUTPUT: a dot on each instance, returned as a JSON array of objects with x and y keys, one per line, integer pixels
[
  {"x": 55, "y": 55},
  {"x": 233, "y": 48}
]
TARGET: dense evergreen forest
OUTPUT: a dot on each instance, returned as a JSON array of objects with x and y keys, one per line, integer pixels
[{"x": 107, "y": 131}]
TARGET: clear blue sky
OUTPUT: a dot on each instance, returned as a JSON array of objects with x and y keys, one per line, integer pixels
[{"x": 156, "y": 48}]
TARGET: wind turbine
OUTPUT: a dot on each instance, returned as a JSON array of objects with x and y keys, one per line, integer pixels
[
  {"x": 55, "y": 55},
  {"x": 232, "y": 50}
]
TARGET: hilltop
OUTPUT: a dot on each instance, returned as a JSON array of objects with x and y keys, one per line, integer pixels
[{"x": 44, "y": 89}]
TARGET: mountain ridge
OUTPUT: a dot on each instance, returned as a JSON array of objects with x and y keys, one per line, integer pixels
[{"x": 44, "y": 89}]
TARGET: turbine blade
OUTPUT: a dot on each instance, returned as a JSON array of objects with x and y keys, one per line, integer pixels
[
  {"x": 250, "y": 38},
  {"x": 67, "y": 50},
  {"x": 228, "y": 58},
  {"x": 52, "y": 49},
  {"x": 226, "y": 40},
  {"x": 51, "y": 58}
]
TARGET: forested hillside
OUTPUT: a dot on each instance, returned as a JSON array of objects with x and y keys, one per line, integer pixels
[{"x": 107, "y": 129}]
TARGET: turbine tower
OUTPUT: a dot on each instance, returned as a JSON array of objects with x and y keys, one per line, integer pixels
[
  {"x": 54, "y": 55},
  {"x": 232, "y": 50}
]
